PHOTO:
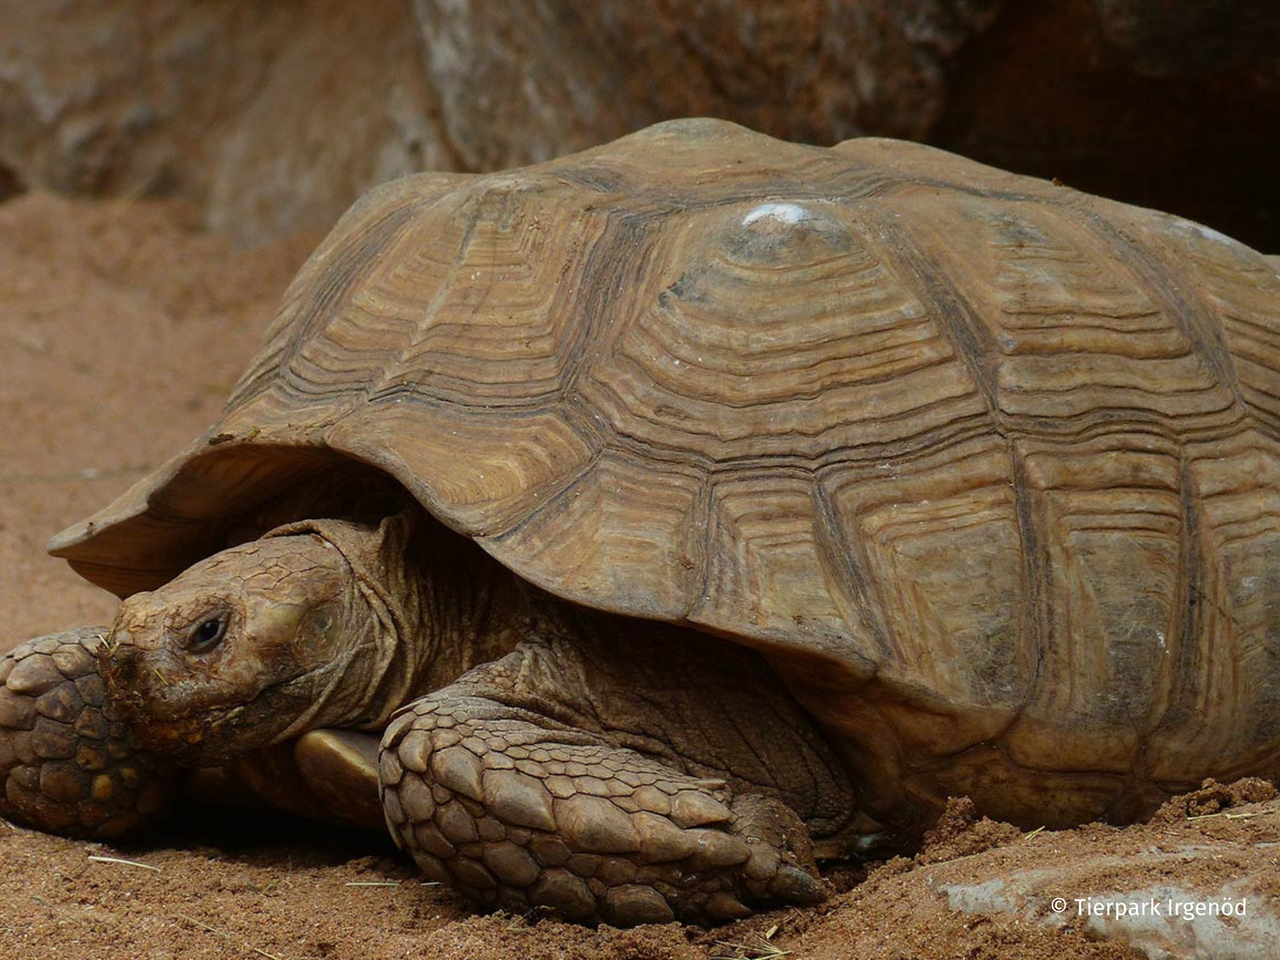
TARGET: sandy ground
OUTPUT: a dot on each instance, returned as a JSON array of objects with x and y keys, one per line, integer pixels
[{"x": 121, "y": 330}]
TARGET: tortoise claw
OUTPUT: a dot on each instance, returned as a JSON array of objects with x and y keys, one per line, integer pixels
[{"x": 793, "y": 885}]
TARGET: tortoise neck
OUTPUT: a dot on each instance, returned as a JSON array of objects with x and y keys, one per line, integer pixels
[
  {"x": 467, "y": 608},
  {"x": 428, "y": 606}
]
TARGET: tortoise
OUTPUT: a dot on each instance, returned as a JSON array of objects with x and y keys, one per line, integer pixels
[{"x": 688, "y": 510}]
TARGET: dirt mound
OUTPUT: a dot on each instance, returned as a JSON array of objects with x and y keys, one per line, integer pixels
[
  {"x": 959, "y": 832},
  {"x": 1214, "y": 798}
]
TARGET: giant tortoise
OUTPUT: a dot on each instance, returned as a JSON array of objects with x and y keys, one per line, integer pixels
[{"x": 690, "y": 508}]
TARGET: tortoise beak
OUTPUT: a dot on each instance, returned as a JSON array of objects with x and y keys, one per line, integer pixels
[
  {"x": 127, "y": 671},
  {"x": 139, "y": 686}
]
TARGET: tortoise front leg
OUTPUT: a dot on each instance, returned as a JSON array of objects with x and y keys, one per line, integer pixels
[
  {"x": 520, "y": 808},
  {"x": 67, "y": 764}
]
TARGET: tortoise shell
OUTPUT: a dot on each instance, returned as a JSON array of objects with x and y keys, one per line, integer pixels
[{"x": 988, "y": 467}]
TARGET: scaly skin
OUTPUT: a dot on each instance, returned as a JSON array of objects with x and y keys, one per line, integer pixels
[{"x": 67, "y": 763}]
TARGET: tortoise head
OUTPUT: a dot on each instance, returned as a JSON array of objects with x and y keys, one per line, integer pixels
[{"x": 241, "y": 650}]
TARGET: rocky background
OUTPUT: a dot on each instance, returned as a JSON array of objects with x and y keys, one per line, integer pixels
[{"x": 274, "y": 116}]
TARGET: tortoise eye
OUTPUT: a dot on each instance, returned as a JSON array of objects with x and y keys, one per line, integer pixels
[{"x": 207, "y": 634}]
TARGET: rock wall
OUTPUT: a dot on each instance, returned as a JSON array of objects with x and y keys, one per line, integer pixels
[
  {"x": 570, "y": 73},
  {"x": 1172, "y": 104},
  {"x": 275, "y": 116}
]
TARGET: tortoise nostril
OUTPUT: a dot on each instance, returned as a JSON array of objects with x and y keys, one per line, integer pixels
[
  {"x": 124, "y": 665},
  {"x": 118, "y": 658}
]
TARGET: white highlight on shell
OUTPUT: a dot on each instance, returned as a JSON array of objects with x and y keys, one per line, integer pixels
[
  {"x": 1207, "y": 232},
  {"x": 782, "y": 212}
]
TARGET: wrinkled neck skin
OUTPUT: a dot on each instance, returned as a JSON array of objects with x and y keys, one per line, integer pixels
[{"x": 426, "y": 606}]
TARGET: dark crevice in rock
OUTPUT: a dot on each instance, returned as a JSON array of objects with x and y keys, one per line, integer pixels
[
  {"x": 10, "y": 185},
  {"x": 1048, "y": 92}
]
